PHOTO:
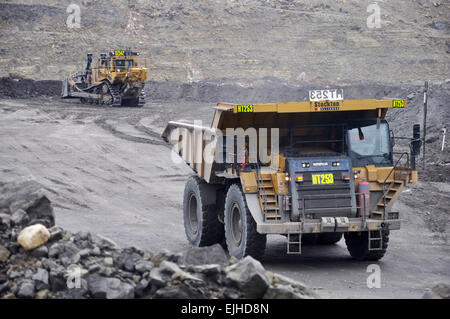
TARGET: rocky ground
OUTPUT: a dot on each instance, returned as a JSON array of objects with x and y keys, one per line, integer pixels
[{"x": 82, "y": 265}]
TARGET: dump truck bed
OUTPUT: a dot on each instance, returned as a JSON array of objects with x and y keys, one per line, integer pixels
[{"x": 189, "y": 144}]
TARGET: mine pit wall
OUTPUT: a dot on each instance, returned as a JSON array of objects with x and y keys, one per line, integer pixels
[{"x": 267, "y": 90}]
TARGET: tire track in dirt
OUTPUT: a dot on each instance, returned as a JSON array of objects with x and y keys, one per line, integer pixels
[{"x": 110, "y": 128}]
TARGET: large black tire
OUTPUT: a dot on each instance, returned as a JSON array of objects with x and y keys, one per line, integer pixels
[
  {"x": 201, "y": 223},
  {"x": 358, "y": 245},
  {"x": 240, "y": 228}
]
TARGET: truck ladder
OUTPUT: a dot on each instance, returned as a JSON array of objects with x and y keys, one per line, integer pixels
[
  {"x": 267, "y": 196},
  {"x": 294, "y": 244},
  {"x": 391, "y": 190},
  {"x": 375, "y": 239}
]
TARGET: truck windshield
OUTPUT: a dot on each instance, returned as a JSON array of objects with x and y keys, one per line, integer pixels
[{"x": 369, "y": 144}]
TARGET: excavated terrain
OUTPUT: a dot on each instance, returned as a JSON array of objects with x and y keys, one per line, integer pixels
[{"x": 107, "y": 171}]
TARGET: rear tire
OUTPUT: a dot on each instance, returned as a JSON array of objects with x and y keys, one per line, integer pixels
[
  {"x": 358, "y": 245},
  {"x": 201, "y": 222},
  {"x": 240, "y": 228}
]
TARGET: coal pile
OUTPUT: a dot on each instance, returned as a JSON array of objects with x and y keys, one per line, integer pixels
[
  {"x": 16, "y": 86},
  {"x": 40, "y": 260}
]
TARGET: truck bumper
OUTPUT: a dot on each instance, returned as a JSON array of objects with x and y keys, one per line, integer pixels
[{"x": 328, "y": 225}]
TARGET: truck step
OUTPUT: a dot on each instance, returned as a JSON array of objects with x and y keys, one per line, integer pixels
[
  {"x": 375, "y": 240},
  {"x": 294, "y": 244}
]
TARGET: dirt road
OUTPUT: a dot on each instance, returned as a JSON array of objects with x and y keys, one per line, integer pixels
[{"x": 107, "y": 171}]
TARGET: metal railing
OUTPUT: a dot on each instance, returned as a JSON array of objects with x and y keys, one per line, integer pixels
[{"x": 387, "y": 177}]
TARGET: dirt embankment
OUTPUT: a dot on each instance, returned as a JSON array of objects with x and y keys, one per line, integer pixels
[{"x": 18, "y": 87}]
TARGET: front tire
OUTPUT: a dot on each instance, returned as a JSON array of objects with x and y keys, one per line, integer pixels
[
  {"x": 358, "y": 245},
  {"x": 201, "y": 222},
  {"x": 240, "y": 228}
]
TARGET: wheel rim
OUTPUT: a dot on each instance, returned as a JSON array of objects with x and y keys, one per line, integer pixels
[
  {"x": 236, "y": 224},
  {"x": 192, "y": 214}
]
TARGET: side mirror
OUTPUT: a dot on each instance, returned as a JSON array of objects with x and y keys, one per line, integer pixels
[
  {"x": 392, "y": 137},
  {"x": 416, "y": 142}
]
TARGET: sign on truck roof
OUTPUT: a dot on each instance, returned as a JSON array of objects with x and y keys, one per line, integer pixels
[{"x": 314, "y": 106}]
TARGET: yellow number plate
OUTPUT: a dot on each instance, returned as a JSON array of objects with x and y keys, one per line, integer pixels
[
  {"x": 245, "y": 108},
  {"x": 398, "y": 103},
  {"x": 119, "y": 52},
  {"x": 320, "y": 179}
]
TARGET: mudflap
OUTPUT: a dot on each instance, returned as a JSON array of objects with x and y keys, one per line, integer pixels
[{"x": 255, "y": 209}]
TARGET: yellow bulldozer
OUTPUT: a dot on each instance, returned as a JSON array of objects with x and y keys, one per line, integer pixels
[
  {"x": 117, "y": 79},
  {"x": 314, "y": 171}
]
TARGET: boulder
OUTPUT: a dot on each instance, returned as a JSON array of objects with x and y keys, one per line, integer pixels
[
  {"x": 109, "y": 288},
  {"x": 108, "y": 261},
  {"x": 249, "y": 276},
  {"x": 56, "y": 279},
  {"x": 440, "y": 291},
  {"x": 278, "y": 291},
  {"x": 300, "y": 290},
  {"x": 19, "y": 217},
  {"x": 56, "y": 233},
  {"x": 33, "y": 236},
  {"x": 204, "y": 255},
  {"x": 141, "y": 288},
  {"x": 4, "y": 254},
  {"x": 3, "y": 289},
  {"x": 172, "y": 271},
  {"x": 96, "y": 251},
  {"x": 156, "y": 278},
  {"x": 40, "y": 252},
  {"x": 142, "y": 266},
  {"x": 5, "y": 221},
  {"x": 43, "y": 294},
  {"x": 30, "y": 197},
  {"x": 41, "y": 279},
  {"x": 127, "y": 258},
  {"x": 65, "y": 249},
  {"x": 26, "y": 290}
]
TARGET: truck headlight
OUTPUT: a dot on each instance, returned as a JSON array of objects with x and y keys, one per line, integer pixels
[{"x": 336, "y": 164}]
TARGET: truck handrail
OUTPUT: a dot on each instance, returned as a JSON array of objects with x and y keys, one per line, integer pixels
[{"x": 387, "y": 177}]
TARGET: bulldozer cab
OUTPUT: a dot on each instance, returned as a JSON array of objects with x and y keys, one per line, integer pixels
[{"x": 122, "y": 65}]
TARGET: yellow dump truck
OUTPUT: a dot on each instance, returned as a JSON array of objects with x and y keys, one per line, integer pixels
[
  {"x": 313, "y": 171},
  {"x": 117, "y": 79}
]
